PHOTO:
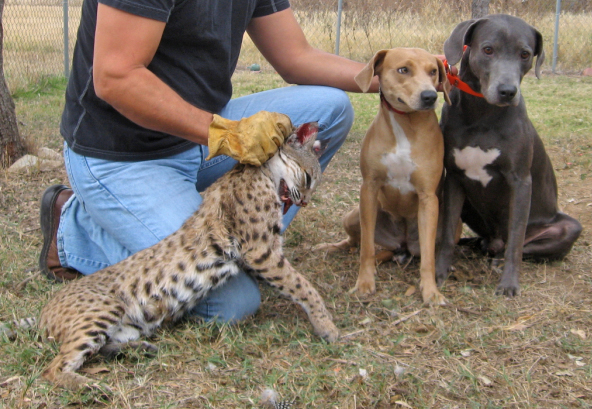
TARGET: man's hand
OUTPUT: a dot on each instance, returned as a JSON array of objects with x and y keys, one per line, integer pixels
[{"x": 251, "y": 140}]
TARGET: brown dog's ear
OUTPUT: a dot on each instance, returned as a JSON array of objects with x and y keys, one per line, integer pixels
[
  {"x": 539, "y": 53},
  {"x": 446, "y": 87},
  {"x": 364, "y": 77}
]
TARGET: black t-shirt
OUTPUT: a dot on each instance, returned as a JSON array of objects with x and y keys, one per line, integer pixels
[{"x": 196, "y": 57}]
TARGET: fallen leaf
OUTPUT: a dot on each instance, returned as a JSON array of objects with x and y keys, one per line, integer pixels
[
  {"x": 363, "y": 373},
  {"x": 6, "y": 382},
  {"x": 564, "y": 373},
  {"x": 519, "y": 326},
  {"x": 399, "y": 370},
  {"x": 579, "y": 332},
  {"x": 95, "y": 370},
  {"x": 401, "y": 403},
  {"x": 466, "y": 352},
  {"x": 388, "y": 303},
  {"x": 366, "y": 321},
  {"x": 422, "y": 329},
  {"x": 485, "y": 380},
  {"x": 410, "y": 290}
]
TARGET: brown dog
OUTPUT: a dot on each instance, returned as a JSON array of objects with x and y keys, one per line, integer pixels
[{"x": 402, "y": 164}]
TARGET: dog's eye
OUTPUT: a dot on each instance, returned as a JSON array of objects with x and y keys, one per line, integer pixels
[
  {"x": 403, "y": 70},
  {"x": 488, "y": 50},
  {"x": 433, "y": 72},
  {"x": 525, "y": 55}
]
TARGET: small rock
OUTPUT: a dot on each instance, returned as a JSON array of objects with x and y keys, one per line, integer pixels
[
  {"x": 47, "y": 165},
  {"x": 587, "y": 72},
  {"x": 31, "y": 162},
  {"x": 24, "y": 163},
  {"x": 46, "y": 153}
]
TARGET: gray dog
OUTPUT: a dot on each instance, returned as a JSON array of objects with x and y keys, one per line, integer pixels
[{"x": 499, "y": 178}]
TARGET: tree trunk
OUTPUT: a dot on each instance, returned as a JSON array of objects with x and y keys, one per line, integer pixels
[
  {"x": 479, "y": 8},
  {"x": 12, "y": 145}
]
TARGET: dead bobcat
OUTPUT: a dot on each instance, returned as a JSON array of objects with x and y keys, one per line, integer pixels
[{"x": 237, "y": 227}]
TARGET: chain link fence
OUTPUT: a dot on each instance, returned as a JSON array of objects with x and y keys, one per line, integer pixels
[
  {"x": 34, "y": 39},
  {"x": 36, "y": 44}
]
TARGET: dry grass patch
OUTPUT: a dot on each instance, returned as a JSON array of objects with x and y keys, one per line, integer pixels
[{"x": 533, "y": 351}]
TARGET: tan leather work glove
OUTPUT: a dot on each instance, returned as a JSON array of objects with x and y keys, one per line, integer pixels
[{"x": 251, "y": 140}]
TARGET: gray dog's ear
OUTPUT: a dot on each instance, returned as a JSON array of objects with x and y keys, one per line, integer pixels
[
  {"x": 539, "y": 53},
  {"x": 364, "y": 77},
  {"x": 453, "y": 46}
]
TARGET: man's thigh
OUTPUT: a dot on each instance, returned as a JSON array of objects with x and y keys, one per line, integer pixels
[
  {"x": 302, "y": 103},
  {"x": 137, "y": 203}
]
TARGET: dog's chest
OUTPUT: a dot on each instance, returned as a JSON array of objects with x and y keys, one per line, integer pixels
[
  {"x": 473, "y": 161},
  {"x": 398, "y": 161}
]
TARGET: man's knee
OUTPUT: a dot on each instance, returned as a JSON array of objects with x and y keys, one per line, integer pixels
[
  {"x": 341, "y": 111},
  {"x": 234, "y": 301}
]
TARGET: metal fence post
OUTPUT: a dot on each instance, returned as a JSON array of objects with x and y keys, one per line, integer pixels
[
  {"x": 338, "y": 34},
  {"x": 556, "y": 35},
  {"x": 66, "y": 38}
]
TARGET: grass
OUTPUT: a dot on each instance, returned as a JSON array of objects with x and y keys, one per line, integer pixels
[{"x": 481, "y": 351}]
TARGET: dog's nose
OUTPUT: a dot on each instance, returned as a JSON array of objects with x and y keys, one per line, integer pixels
[
  {"x": 428, "y": 98},
  {"x": 507, "y": 92}
]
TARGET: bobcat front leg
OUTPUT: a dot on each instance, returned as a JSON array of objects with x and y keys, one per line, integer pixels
[{"x": 278, "y": 272}]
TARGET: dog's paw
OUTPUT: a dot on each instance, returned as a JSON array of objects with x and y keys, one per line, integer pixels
[
  {"x": 441, "y": 277},
  {"x": 332, "y": 247},
  {"x": 364, "y": 287},
  {"x": 509, "y": 290},
  {"x": 433, "y": 297}
]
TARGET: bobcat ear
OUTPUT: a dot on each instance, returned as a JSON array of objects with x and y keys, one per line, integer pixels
[
  {"x": 307, "y": 132},
  {"x": 319, "y": 147}
]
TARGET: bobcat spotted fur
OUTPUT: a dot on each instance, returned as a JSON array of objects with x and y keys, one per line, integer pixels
[{"x": 236, "y": 228}]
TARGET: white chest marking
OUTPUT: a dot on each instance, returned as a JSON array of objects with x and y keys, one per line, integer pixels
[
  {"x": 473, "y": 161},
  {"x": 399, "y": 164}
]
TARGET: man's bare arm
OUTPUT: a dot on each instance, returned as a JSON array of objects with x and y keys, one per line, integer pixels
[
  {"x": 281, "y": 41},
  {"x": 122, "y": 79}
]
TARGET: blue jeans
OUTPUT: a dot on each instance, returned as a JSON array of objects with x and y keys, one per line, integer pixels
[{"x": 120, "y": 208}]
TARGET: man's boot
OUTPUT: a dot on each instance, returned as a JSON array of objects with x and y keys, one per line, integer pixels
[{"x": 52, "y": 201}]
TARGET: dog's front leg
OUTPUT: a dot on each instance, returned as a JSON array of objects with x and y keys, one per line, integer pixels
[
  {"x": 368, "y": 209},
  {"x": 452, "y": 204},
  {"x": 427, "y": 218},
  {"x": 520, "y": 196}
]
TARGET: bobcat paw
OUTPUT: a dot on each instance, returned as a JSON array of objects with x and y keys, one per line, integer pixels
[{"x": 328, "y": 331}]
